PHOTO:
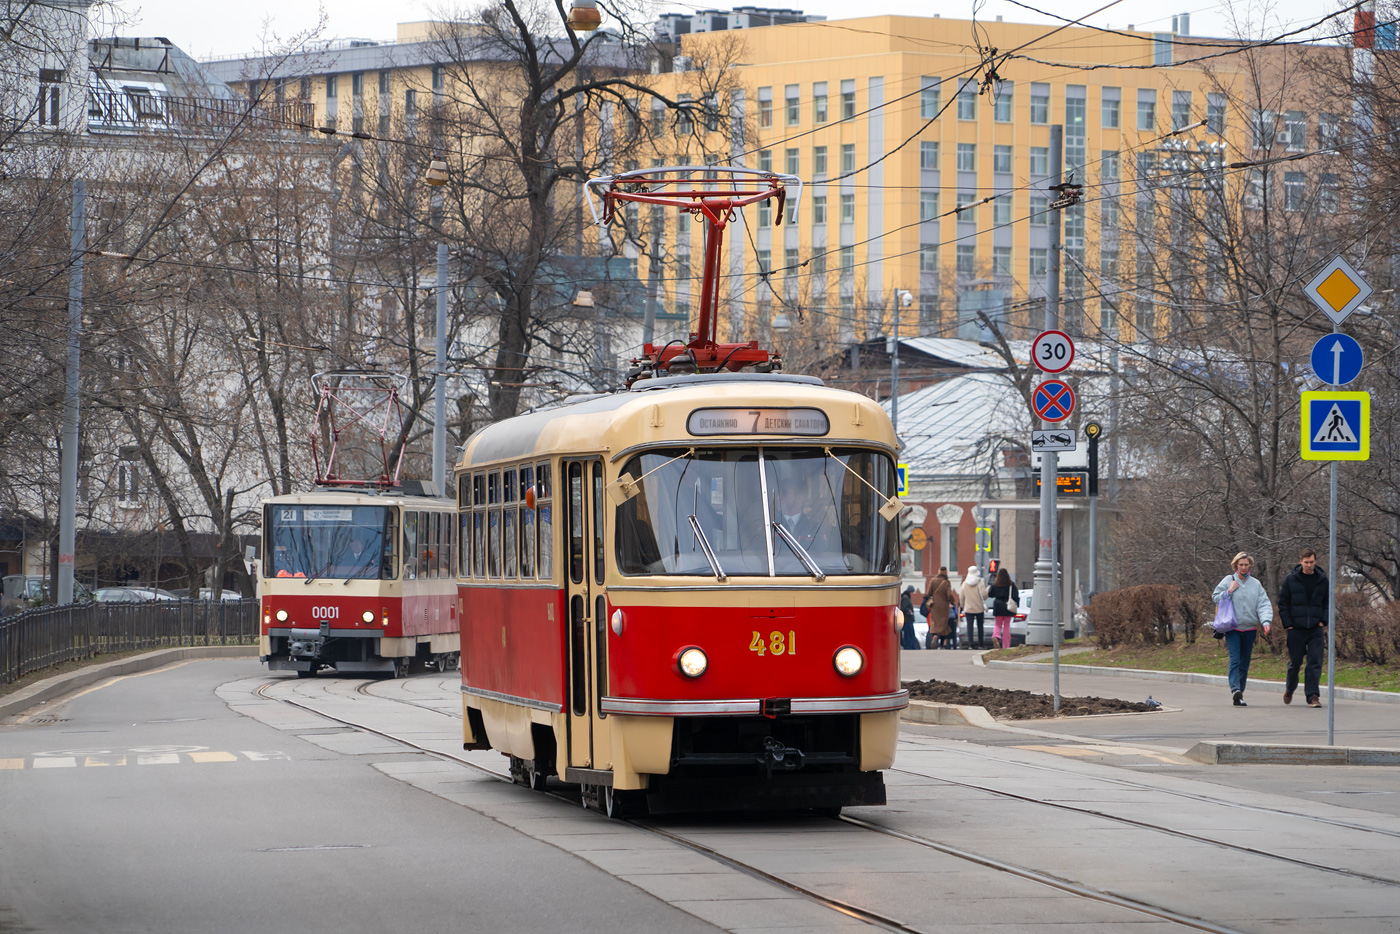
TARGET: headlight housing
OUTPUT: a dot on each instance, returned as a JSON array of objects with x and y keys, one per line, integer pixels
[
  {"x": 367, "y": 616},
  {"x": 281, "y": 616},
  {"x": 692, "y": 662},
  {"x": 848, "y": 661}
]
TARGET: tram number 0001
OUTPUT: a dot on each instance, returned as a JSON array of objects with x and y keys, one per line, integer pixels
[
  {"x": 777, "y": 643},
  {"x": 325, "y": 612}
]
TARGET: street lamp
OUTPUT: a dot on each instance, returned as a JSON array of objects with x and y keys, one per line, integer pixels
[
  {"x": 903, "y": 298},
  {"x": 437, "y": 177}
]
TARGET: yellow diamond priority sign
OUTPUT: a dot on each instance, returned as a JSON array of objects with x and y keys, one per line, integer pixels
[{"x": 1338, "y": 290}]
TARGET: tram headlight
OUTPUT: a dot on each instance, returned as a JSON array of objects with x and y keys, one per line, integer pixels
[
  {"x": 848, "y": 661},
  {"x": 367, "y": 616},
  {"x": 692, "y": 662},
  {"x": 281, "y": 616}
]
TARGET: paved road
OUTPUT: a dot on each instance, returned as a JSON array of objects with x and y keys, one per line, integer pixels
[{"x": 214, "y": 797}]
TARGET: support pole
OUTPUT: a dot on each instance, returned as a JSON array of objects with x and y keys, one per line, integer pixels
[
  {"x": 440, "y": 378},
  {"x": 68, "y": 467},
  {"x": 894, "y": 371}
]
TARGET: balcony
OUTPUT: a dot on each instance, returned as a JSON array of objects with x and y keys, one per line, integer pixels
[{"x": 129, "y": 110}]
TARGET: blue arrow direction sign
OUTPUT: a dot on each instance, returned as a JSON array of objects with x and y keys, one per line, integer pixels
[
  {"x": 1053, "y": 400},
  {"x": 1336, "y": 359}
]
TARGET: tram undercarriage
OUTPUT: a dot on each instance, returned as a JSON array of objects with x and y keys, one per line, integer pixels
[{"x": 306, "y": 651}]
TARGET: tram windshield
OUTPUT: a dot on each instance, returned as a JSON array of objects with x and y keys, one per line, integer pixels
[
  {"x": 349, "y": 542},
  {"x": 765, "y": 512}
]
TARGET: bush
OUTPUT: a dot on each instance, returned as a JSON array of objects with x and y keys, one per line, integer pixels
[
  {"x": 1148, "y": 614},
  {"x": 1366, "y": 633}
]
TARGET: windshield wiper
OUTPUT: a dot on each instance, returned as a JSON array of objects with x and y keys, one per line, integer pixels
[
  {"x": 706, "y": 549},
  {"x": 812, "y": 567}
]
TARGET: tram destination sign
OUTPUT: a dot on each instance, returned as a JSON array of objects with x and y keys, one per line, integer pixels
[{"x": 740, "y": 421}]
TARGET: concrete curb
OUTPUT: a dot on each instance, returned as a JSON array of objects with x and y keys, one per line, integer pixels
[
  {"x": 59, "y": 685},
  {"x": 948, "y": 714},
  {"x": 1218, "y": 753},
  {"x": 1191, "y": 677}
]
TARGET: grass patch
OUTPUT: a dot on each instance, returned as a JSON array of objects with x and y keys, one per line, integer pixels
[{"x": 1209, "y": 656}]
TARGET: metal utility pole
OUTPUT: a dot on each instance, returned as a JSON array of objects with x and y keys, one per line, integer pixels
[
  {"x": 894, "y": 370},
  {"x": 68, "y": 480},
  {"x": 1042, "y": 627},
  {"x": 440, "y": 378}
]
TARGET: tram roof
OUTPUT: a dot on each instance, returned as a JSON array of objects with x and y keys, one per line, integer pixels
[
  {"x": 656, "y": 410},
  {"x": 361, "y": 496}
]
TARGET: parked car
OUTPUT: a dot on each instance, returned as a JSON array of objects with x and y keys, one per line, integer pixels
[
  {"x": 22, "y": 591},
  {"x": 132, "y": 595},
  {"x": 227, "y": 596}
]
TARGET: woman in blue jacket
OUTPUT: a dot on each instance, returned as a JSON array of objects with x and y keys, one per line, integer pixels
[{"x": 1252, "y": 610}]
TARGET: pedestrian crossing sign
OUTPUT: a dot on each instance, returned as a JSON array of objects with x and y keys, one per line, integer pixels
[{"x": 1336, "y": 426}]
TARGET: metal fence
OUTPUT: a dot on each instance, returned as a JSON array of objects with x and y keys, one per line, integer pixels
[{"x": 50, "y": 635}]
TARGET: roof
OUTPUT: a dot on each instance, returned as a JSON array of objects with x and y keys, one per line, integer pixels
[{"x": 956, "y": 426}]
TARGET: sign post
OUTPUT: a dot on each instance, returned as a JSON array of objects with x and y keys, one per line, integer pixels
[
  {"x": 1336, "y": 425},
  {"x": 1053, "y": 402}
]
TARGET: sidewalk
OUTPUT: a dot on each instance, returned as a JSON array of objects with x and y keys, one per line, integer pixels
[{"x": 1203, "y": 712}]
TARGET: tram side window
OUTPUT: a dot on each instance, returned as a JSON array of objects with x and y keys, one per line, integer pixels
[
  {"x": 434, "y": 544},
  {"x": 479, "y": 525},
  {"x": 598, "y": 501},
  {"x": 410, "y": 545},
  {"x": 449, "y": 545},
  {"x": 464, "y": 520},
  {"x": 493, "y": 525},
  {"x": 389, "y": 567},
  {"x": 527, "y": 524},
  {"x": 576, "y": 523},
  {"x": 544, "y": 521},
  {"x": 508, "y": 517}
]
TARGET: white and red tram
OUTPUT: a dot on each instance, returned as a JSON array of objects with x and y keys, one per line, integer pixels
[
  {"x": 359, "y": 580},
  {"x": 684, "y": 595}
]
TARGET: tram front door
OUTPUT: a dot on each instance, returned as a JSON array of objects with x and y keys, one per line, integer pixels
[{"x": 587, "y": 617}]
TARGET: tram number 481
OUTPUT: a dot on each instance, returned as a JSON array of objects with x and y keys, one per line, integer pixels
[{"x": 776, "y": 643}]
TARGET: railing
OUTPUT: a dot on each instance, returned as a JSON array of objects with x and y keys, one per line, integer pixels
[
  {"x": 122, "y": 110},
  {"x": 47, "y": 636}
]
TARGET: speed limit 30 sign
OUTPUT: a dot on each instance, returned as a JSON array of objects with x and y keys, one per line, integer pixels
[{"x": 1052, "y": 351}]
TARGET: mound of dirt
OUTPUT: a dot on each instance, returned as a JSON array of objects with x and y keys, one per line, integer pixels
[{"x": 1005, "y": 704}]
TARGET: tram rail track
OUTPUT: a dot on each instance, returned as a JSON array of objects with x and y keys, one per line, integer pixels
[{"x": 837, "y": 905}]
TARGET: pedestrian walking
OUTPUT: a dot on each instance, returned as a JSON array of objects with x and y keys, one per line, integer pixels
[
  {"x": 1252, "y": 610},
  {"x": 1304, "y": 609},
  {"x": 1006, "y": 600},
  {"x": 939, "y": 601},
  {"x": 907, "y": 639},
  {"x": 973, "y": 595}
]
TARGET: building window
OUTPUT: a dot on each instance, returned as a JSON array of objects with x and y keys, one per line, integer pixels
[
  {"x": 1162, "y": 48},
  {"x": 848, "y": 259},
  {"x": 1040, "y": 210},
  {"x": 1329, "y": 131},
  {"x": 848, "y": 99},
  {"x": 1108, "y": 214},
  {"x": 1001, "y": 261},
  {"x": 818, "y": 160},
  {"x": 710, "y": 104},
  {"x": 1040, "y": 103},
  {"x": 357, "y": 84},
  {"x": 928, "y": 257},
  {"x": 128, "y": 475},
  {"x": 1181, "y": 110},
  {"x": 928, "y": 205},
  {"x": 790, "y": 160},
  {"x": 1001, "y": 210},
  {"x": 1257, "y": 189},
  {"x": 967, "y": 210},
  {"x": 765, "y": 160},
  {"x": 1329, "y": 198},
  {"x": 765, "y": 214},
  {"x": 967, "y": 157},
  {"x": 765, "y": 106},
  {"x": 1001, "y": 158},
  {"x": 848, "y": 157},
  {"x": 330, "y": 87},
  {"x": 794, "y": 105},
  {"x": 50, "y": 96},
  {"x": 928, "y": 155},
  {"x": 765, "y": 261},
  {"x": 818, "y": 210},
  {"x": 1295, "y": 128},
  {"x": 1294, "y": 191},
  {"x": 1109, "y": 165},
  {"x": 1215, "y": 114},
  {"x": 1108, "y": 264},
  {"x": 1039, "y": 263},
  {"x": 930, "y": 92},
  {"x": 1109, "y": 114},
  {"x": 1147, "y": 110},
  {"x": 1001, "y": 103},
  {"x": 967, "y": 101},
  {"x": 967, "y": 259},
  {"x": 437, "y": 78},
  {"x": 819, "y": 111},
  {"x": 1040, "y": 160},
  {"x": 1263, "y": 126},
  {"x": 848, "y": 209}
]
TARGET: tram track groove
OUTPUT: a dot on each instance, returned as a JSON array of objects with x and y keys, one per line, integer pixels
[{"x": 839, "y": 906}]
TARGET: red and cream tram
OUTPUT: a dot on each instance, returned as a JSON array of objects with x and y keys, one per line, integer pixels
[
  {"x": 359, "y": 581},
  {"x": 683, "y": 595}
]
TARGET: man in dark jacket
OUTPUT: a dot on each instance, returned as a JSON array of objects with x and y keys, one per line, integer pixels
[{"x": 1303, "y": 608}]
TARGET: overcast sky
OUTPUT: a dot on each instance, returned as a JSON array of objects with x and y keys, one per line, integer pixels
[{"x": 205, "y": 29}]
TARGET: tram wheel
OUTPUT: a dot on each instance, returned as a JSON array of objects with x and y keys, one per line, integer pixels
[
  {"x": 590, "y": 796},
  {"x": 454, "y": 661},
  {"x": 615, "y": 804},
  {"x": 308, "y": 673},
  {"x": 401, "y": 667}
]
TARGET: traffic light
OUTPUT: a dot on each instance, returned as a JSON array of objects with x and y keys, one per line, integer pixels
[
  {"x": 992, "y": 565},
  {"x": 906, "y": 527}
]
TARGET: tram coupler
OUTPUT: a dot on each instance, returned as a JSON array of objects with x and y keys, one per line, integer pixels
[
  {"x": 308, "y": 643},
  {"x": 780, "y": 758}
]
